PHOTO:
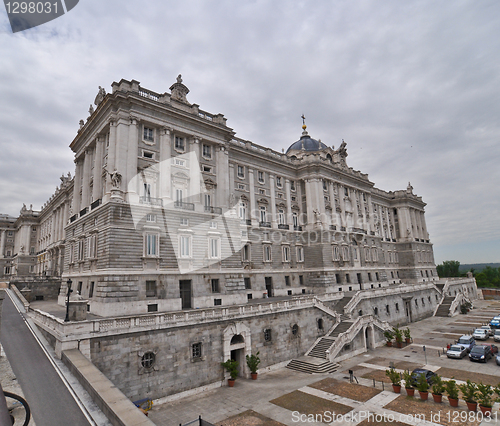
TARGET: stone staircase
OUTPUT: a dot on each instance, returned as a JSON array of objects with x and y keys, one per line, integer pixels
[
  {"x": 311, "y": 365},
  {"x": 444, "y": 307},
  {"x": 339, "y": 307}
]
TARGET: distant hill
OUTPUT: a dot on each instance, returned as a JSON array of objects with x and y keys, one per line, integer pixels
[{"x": 478, "y": 267}]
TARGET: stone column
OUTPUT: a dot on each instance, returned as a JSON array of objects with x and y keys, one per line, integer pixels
[
  {"x": 165, "y": 163},
  {"x": 86, "y": 179},
  {"x": 132, "y": 153},
  {"x": 362, "y": 204},
  {"x": 388, "y": 224},
  {"x": 253, "y": 206},
  {"x": 343, "y": 219},
  {"x": 321, "y": 206},
  {"x": 77, "y": 186},
  {"x": 288, "y": 196},
  {"x": 334, "y": 207},
  {"x": 424, "y": 226},
  {"x": 272, "y": 185},
  {"x": 418, "y": 217},
  {"x": 2, "y": 243},
  {"x": 222, "y": 164},
  {"x": 110, "y": 167},
  {"x": 371, "y": 213},
  {"x": 309, "y": 203},
  {"x": 232, "y": 189},
  {"x": 354, "y": 203},
  {"x": 97, "y": 188}
]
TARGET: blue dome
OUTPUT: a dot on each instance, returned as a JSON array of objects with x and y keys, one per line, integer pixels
[{"x": 306, "y": 143}]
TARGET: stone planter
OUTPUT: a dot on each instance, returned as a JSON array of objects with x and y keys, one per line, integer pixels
[
  {"x": 254, "y": 376},
  {"x": 485, "y": 410},
  {"x": 472, "y": 406},
  {"x": 423, "y": 395},
  {"x": 437, "y": 398},
  {"x": 396, "y": 388},
  {"x": 410, "y": 391},
  {"x": 453, "y": 402}
]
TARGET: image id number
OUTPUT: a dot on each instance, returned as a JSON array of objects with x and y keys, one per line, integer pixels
[{"x": 31, "y": 7}]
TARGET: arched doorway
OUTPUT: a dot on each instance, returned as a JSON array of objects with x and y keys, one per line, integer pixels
[
  {"x": 369, "y": 337},
  {"x": 236, "y": 345}
]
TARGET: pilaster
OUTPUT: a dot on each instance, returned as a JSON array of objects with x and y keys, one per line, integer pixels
[
  {"x": 2, "y": 243},
  {"x": 97, "y": 188},
  {"x": 253, "y": 206},
  {"x": 272, "y": 185},
  {"x": 288, "y": 196},
  {"x": 165, "y": 164}
]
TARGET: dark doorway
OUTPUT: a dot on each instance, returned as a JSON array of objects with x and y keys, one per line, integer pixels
[
  {"x": 408, "y": 310},
  {"x": 185, "y": 290},
  {"x": 269, "y": 286},
  {"x": 239, "y": 355},
  {"x": 360, "y": 281}
]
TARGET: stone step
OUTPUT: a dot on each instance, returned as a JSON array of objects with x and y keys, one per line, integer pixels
[
  {"x": 341, "y": 328},
  {"x": 312, "y": 366},
  {"x": 319, "y": 350}
]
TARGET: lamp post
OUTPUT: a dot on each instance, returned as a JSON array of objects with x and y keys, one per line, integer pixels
[{"x": 69, "y": 282}]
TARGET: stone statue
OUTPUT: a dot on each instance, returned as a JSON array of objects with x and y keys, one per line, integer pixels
[
  {"x": 91, "y": 109},
  {"x": 116, "y": 179},
  {"x": 100, "y": 96},
  {"x": 232, "y": 200},
  {"x": 317, "y": 215},
  {"x": 179, "y": 79},
  {"x": 409, "y": 189}
]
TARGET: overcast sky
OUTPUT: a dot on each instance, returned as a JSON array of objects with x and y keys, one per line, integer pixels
[{"x": 413, "y": 87}]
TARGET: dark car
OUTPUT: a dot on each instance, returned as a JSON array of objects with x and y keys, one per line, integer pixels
[
  {"x": 480, "y": 353},
  {"x": 494, "y": 348},
  {"x": 429, "y": 376}
]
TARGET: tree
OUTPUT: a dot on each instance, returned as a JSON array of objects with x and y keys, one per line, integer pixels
[
  {"x": 449, "y": 269},
  {"x": 488, "y": 277}
]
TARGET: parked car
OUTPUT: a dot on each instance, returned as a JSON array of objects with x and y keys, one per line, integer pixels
[
  {"x": 498, "y": 359},
  {"x": 467, "y": 342},
  {"x": 488, "y": 329},
  {"x": 480, "y": 334},
  {"x": 456, "y": 351},
  {"x": 494, "y": 348},
  {"x": 415, "y": 374},
  {"x": 480, "y": 353},
  {"x": 495, "y": 322},
  {"x": 496, "y": 336}
]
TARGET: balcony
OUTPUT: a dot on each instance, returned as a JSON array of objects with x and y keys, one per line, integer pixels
[
  {"x": 333, "y": 228},
  {"x": 73, "y": 218},
  {"x": 151, "y": 201},
  {"x": 265, "y": 224},
  {"x": 214, "y": 210},
  {"x": 84, "y": 211},
  {"x": 248, "y": 222},
  {"x": 297, "y": 228},
  {"x": 342, "y": 228},
  {"x": 184, "y": 206},
  {"x": 372, "y": 232},
  {"x": 358, "y": 230},
  {"x": 283, "y": 226}
]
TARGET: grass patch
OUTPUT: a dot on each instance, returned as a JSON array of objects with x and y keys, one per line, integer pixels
[
  {"x": 347, "y": 390},
  {"x": 378, "y": 375},
  {"x": 309, "y": 404},
  {"x": 429, "y": 410},
  {"x": 464, "y": 375},
  {"x": 249, "y": 418}
]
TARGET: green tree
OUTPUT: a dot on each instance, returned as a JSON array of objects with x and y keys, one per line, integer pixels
[
  {"x": 448, "y": 269},
  {"x": 488, "y": 277}
]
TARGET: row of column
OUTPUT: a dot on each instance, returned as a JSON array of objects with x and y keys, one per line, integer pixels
[{"x": 3, "y": 234}]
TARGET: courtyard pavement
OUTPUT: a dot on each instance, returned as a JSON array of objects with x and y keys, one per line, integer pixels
[{"x": 434, "y": 333}]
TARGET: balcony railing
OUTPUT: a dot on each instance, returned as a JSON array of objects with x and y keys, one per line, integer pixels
[
  {"x": 297, "y": 228},
  {"x": 283, "y": 226},
  {"x": 265, "y": 224},
  {"x": 84, "y": 211},
  {"x": 184, "y": 206},
  {"x": 333, "y": 228},
  {"x": 73, "y": 218},
  {"x": 151, "y": 201},
  {"x": 214, "y": 210},
  {"x": 96, "y": 204}
]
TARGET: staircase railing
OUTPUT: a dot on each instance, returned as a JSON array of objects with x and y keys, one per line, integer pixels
[
  {"x": 351, "y": 333},
  {"x": 320, "y": 305}
]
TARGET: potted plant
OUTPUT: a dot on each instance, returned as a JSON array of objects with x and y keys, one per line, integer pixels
[
  {"x": 389, "y": 335},
  {"x": 253, "y": 362},
  {"x": 423, "y": 387},
  {"x": 485, "y": 395},
  {"x": 231, "y": 366},
  {"x": 470, "y": 392},
  {"x": 398, "y": 335},
  {"x": 410, "y": 390},
  {"x": 407, "y": 334},
  {"x": 395, "y": 379},
  {"x": 437, "y": 388},
  {"x": 452, "y": 391}
]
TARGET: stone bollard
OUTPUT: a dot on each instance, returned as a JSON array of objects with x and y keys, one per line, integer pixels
[{"x": 77, "y": 308}]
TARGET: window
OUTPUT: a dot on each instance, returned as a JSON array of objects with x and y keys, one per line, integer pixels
[
  {"x": 213, "y": 225},
  {"x": 241, "y": 172},
  {"x": 325, "y": 185},
  {"x": 300, "y": 254},
  {"x": 287, "y": 281},
  {"x": 387, "y": 311},
  {"x": 207, "y": 151},
  {"x": 179, "y": 162},
  {"x": 92, "y": 246},
  {"x": 286, "y": 253},
  {"x": 242, "y": 211},
  {"x": 295, "y": 329},
  {"x": 32, "y": 250},
  {"x": 267, "y": 335},
  {"x": 81, "y": 248},
  {"x": 148, "y": 134},
  {"x": 248, "y": 283},
  {"x": 214, "y": 250},
  {"x": 262, "y": 212},
  {"x": 301, "y": 279},
  {"x": 153, "y": 307},
  {"x": 267, "y": 253},
  {"x": 208, "y": 200},
  {"x": 397, "y": 307},
  {"x": 148, "y": 360},
  {"x": 348, "y": 280},
  {"x": 346, "y": 192},
  {"x": 206, "y": 169},
  {"x": 245, "y": 253},
  {"x": 295, "y": 220},
  {"x": 150, "y": 288},
  {"x": 185, "y": 246},
  {"x": 215, "y": 285},
  {"x": 292, "y": 185},
  {"x": 7, "y": 270},
  {"x": 377, "y": 276},
  {"x": 260, "y": 177},
  {"x": 184, "y": 221},
  {"x": 147, "y": 154},
  {"x": 345, "y": 253},
  {"x": 281, "y": 217},
  {"x": 242, "y": 187},
  {"x": 369, "y": 276},
  {"x": 150, "y": 217},
  {"x": 179, "y": 195},
  {"x": 147, "y": 191},
  {"x": 279, "y": 183},
  {"x": 179, "y": 143},
  {"x": 151, "y": 244},
  {"x": 196, "y": 351},
  {"x": 91, "y": 290}
]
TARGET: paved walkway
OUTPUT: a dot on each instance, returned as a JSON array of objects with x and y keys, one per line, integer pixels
[{"x": 221, "y": 403}]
